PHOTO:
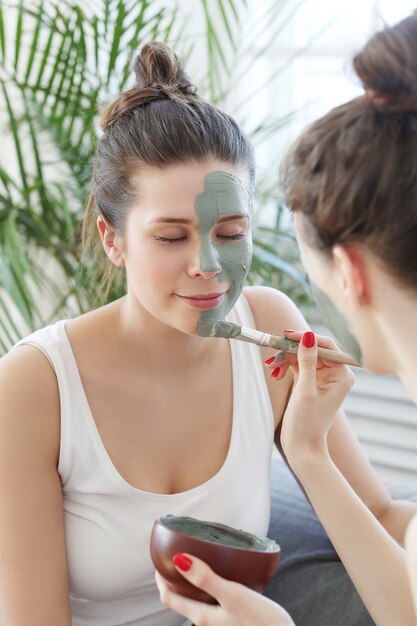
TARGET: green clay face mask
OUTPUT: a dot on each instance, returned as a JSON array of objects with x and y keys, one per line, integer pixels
[
  {"x": 224, "y": 194},
  {"x": 332, "y": 317},
  {"x": 336, "y": 322},
  {"x": 218, "y": 533}
]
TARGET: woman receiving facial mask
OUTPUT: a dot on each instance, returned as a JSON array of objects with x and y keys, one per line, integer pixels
[
  {"x": 351, "y": 180},
  {"x": 117, "y": 417}
]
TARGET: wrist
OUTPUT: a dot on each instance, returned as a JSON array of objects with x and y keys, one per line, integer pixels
[{"x": 305, "y": 459}]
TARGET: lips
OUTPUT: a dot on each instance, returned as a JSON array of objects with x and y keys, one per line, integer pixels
[{"x": 203, "y": 301}]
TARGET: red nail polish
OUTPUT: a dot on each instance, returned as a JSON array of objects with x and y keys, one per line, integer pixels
[
  {"x": 269, "y": 361},
  {"x": 182, "y": 562},
  {"x": 309, "y": 339},
  {"x": 289, "y": 331},
  {"x": 275, "y": 372}
]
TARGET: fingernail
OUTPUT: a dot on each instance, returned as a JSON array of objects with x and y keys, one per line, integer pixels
[
  {"x": 309, "y": 339},
  {"x": 275, "y": 372},
  {"x": 289, "y": 331},
  {"x": 182, "y": 561},
  {"x": 269, "y": 361}
]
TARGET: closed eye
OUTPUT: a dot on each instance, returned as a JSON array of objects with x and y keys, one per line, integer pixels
[
  {"x": 171, "y": 240},
  {"x": 235, "y": 237}
]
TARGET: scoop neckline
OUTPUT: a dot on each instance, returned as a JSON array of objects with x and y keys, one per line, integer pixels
[{"x": 105, "y": 456}]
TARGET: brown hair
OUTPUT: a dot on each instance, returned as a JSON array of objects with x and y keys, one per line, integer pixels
[
  {"x": 353, "y": 173},
  {"x": 160, "y": 122}
]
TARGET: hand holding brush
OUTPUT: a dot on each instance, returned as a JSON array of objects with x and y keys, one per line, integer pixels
[
  {"x": 282, "y": 361},
  {"x": 208, "y": 327}
]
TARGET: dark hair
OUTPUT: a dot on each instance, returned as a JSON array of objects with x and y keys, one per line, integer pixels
[
  {"x": 160, "y": 122},
  {"x": 353, "y": 173}
]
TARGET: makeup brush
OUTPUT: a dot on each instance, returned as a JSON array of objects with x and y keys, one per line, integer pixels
[{"x": 208, "y": 327}]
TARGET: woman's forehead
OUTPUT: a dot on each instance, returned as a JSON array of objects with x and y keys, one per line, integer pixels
[{"x": 174, "y": 191}]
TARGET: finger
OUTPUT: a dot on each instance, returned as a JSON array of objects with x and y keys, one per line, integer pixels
[
  {"x": 280, "y": 371},
  {"x": 288, "y": 361},
  {"x": 322, "y": 341},
  {"x": 327, "y": 342},
  {"x": 280, "y": 357},
  {"x": 307, "y": 362},
  {"x": 202, "y": 576},
  {"x": 275, "y": 360},
  {"x": 196, "y": 612},
  {"x": 294, "y": 335}
]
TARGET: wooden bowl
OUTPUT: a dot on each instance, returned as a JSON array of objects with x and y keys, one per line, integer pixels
[{"x": 251, "y": 561}]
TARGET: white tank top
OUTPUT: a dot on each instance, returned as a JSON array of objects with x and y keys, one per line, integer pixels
[{"x": 108, "y": 522}]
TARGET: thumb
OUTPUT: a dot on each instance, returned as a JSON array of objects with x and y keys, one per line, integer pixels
[
  {"x": 307, "y": 361},
  {"x": 201, "y": 575}
]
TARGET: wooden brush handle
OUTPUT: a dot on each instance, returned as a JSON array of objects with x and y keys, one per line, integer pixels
[
  {"x": 287, "y": 345},
  {"x": 337, "y": 357}
]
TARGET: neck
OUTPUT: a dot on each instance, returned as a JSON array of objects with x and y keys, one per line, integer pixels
[
  {"x": 161, "y": 346},
  {"x": 398, "y": 324}
]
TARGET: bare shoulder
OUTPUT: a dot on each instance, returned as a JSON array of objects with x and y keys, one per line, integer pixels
[
  {"x": 29, "y": 401},
  {"x": 273, "y": 311}
]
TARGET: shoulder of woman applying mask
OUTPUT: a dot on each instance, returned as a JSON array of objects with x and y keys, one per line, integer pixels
[
  {"x": 273, "y": 312},
  {"x": 411, "y": 548}
]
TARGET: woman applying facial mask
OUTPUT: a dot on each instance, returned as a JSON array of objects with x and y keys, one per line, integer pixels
[
  {"x": 124, "y": 414},
  {"x": 351, "y": 180}
]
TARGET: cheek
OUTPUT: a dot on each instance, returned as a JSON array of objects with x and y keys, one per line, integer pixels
[
  {"x": 236, "y": 258},
  {"x": 148, "y": 267}
]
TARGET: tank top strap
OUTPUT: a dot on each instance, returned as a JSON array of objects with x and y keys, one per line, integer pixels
[
  {"x": 54, "y": 344},
  {"x": 250, "y": 391}
]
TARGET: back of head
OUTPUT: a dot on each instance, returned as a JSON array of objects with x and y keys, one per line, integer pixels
[
  {"x": 160, "y": 122},
  {"x": 353, "y": 173}
]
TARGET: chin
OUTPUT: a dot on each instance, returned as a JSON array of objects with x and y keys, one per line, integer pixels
[
  {"x": 185, "y": 327},
  {"x": 189, "y": 330},
  {"x": 373, "y": 364}
]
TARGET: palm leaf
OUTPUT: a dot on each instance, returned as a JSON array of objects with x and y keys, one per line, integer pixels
[
  {"x": 77, "y": 54},
  {"x": 2, "y": 36},
  {"x": 14, "y": 127}
]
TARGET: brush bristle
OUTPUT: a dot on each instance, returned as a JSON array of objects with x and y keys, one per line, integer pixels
[{"x": 209, "y": 327}]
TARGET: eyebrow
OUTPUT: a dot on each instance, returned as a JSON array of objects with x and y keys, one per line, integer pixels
[{"x": 180, "y": 220}]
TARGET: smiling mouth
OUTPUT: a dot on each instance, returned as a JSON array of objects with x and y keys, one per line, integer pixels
[{"x": 203, "y": 301}]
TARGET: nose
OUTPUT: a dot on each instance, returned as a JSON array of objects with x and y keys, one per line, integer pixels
[{"x": 206, "y": 261}]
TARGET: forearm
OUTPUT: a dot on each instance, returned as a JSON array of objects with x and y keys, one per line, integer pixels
[
  {"x": 411, "y": 549},
  {"x": 374, "y": 561},
  {"x": 349, "y": 457}
]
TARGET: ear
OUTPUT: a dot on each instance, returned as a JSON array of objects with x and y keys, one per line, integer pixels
[
  {"x": 351, "y": 265},
  {"x": 111, "y": 243}
]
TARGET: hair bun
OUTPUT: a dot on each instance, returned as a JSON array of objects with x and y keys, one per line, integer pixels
[
  {"x": 157, "y": 66},
  {"x": 159, "y": 75},
  {"x": 387, "y": 67}
]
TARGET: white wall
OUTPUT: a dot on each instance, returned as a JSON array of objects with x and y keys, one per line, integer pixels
[
  {"x": 310, "y": 58},
  {"x": 321, "y": 37}
]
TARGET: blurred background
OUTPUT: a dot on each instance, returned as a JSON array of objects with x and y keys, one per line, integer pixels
[{"x": 275, "y": 65}]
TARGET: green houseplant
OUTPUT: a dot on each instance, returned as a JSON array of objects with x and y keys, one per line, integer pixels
[{"x": 59, "y": 62}]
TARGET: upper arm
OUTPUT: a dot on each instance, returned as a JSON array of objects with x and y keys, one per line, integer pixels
[
  {"x": 33, "y": 574},
  {"x": 273, "y": 312},
  {"x": 353, "y": 463}
]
